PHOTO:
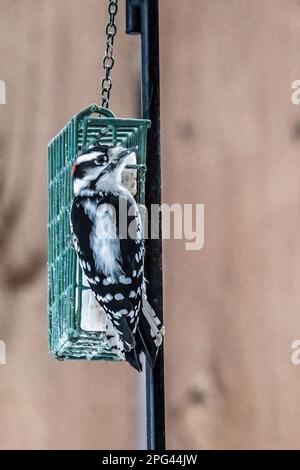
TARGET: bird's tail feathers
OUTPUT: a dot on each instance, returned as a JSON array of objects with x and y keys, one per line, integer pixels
[
  {"x": 114, "y": 340},
  {"x": 147, "y": 339},
  {"x": 157, "y": 329},
  {"x": 126, "y": 335},
  {"x": 116, "y": 343},
  {"x": 133, "y": 357},
  {"x": 150, "y": 332}
]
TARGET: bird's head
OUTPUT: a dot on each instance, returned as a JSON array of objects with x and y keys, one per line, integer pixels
[{"x": 100, "y": 166}]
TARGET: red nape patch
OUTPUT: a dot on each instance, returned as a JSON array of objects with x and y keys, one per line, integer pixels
[{"x": 73, "y": 169}]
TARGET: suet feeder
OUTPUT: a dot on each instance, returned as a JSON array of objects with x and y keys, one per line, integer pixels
[{"x": 77, "y": 328}]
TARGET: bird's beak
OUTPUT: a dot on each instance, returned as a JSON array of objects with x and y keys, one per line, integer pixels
[{"x": 126, "y": 152}]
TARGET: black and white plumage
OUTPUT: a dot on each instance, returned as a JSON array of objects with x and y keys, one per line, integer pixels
[{"x": 113, "y": 258}]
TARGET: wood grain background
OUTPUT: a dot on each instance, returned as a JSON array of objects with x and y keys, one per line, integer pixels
[{"x": 230, "y": 140}]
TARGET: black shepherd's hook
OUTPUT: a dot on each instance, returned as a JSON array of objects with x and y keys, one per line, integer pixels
[{"x": 142, "y": 18}]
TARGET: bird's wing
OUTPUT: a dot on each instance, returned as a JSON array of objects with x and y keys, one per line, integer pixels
[
  {"x": 81, "y": 226},
  {"x": 132, "y": 246},
  {"x": 111, "y": 293}
]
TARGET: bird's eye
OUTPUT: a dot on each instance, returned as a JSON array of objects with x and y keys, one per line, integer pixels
[{"x": 101, "y": 160}]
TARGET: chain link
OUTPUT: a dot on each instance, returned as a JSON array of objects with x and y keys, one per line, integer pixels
[{"x": 108, "y": 61}]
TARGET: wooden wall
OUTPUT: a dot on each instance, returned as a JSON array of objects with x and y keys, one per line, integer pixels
[{"x": 230, "y": 140}]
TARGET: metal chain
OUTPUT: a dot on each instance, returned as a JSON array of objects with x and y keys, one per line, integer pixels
[{"x": 108, "y": 61}]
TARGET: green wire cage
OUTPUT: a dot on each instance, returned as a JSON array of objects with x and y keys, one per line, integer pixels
[{"x": 77, "y": 330}]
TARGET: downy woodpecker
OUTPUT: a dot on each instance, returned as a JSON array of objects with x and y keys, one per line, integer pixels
[{"x": 113, "y": 262}]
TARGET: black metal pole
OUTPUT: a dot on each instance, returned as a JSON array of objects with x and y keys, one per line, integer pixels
[{"x": 142, "y": 16}]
